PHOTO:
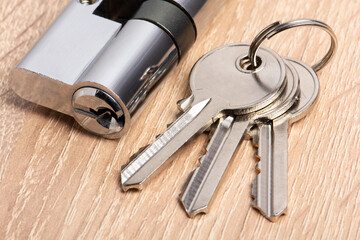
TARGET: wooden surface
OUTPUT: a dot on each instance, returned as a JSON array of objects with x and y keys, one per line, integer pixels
[{"x": 58, "y": 182}]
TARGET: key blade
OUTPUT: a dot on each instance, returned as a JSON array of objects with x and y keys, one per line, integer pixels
[
  {"x": 270, "y": 186},
  {"x": 155, "y": 155},
  {"x": 204, "y": 181}
]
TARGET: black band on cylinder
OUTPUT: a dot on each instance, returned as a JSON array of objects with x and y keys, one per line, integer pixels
[{"x": 172, "y": 19}]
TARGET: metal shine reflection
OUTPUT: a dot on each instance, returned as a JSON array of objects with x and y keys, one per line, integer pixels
[{"x": 82, "y": 49}]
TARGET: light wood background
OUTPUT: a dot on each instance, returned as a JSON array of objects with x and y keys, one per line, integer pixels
[{"x": 58, "y": 182}]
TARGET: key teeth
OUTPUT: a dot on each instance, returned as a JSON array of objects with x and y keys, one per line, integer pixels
[
  {"x": 136, "y": 154},
  {"x": 254, "y": 140},
  {"x": 256, "y": 156},
  {"x": 258, "y": 159},
  {"x": 274, "y": 217},
  {"x": 132, "y": 157},
  {"x": 203, "y": 156},
  {"x": 257, "y": 168},
  {"x": 204, "y": 151},
  {"x": 253, "y": 135},
  {"x": 168, "y": 125}
]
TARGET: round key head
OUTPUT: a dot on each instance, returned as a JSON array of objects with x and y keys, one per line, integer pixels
[
  {"x": 286, "y": 100},
  {"x": 222, "y": 75},
  {"x": 309, "y": 90}
]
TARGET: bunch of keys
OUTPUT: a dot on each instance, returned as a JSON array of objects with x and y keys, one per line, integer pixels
[{"x": 240, "y": 90}]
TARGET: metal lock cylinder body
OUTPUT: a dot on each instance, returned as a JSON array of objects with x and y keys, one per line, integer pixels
[{"x": 99, "y": 59}]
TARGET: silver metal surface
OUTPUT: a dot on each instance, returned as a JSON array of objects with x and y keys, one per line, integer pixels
[
  {"x": 48, "y": 72},
  {"x": 278, "y": 27},
  {"x": 270, "y": 186},
  {"x": 155, "y": 155},
  {"x": 218, "y": 74},
  {"x": 203, "y": 182},
  {"x": 85, "y": 50},
  {"x": 217, "y": 84},
  {"x": 138, "y": 57},
  {"x": 108, "y": 116}
]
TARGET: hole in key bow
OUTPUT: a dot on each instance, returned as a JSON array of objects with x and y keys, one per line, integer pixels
[{"x": 245, "y": 63}]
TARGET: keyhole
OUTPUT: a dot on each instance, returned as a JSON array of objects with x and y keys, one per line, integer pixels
[
  {"x": 104, "y": 117},
  {"x": 98, "y": 111}
]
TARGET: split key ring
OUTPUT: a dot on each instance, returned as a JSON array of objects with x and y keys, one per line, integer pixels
[{"x": 278, "y": 27}]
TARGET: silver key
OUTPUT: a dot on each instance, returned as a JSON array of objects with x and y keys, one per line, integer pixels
[
  {"x": 218, "y": 83},
  {"x": 270, "y": 186},
  {"x": 203, "y": 182}
]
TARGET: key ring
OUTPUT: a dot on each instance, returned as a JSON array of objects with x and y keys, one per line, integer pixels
[{"x": 278, "y": 27}]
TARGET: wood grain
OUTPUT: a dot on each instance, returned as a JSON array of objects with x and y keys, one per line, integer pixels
[{"x": 58, "y": 182}]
